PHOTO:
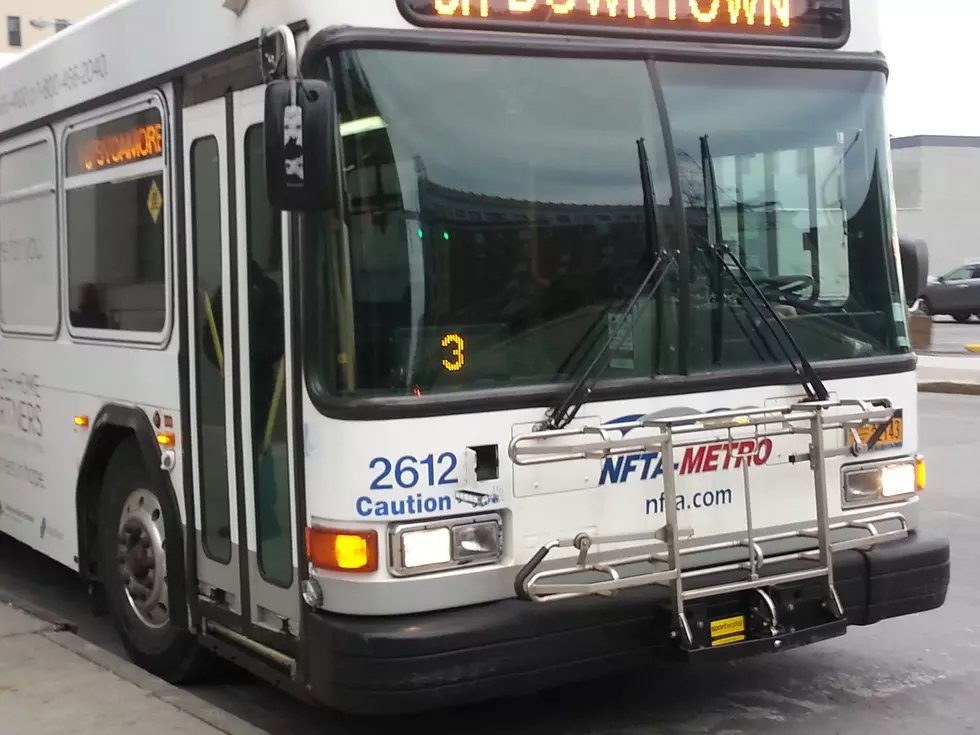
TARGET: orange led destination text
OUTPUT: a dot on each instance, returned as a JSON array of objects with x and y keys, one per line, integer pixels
[
  {"x": 128, "y": 147},
  {"x": 734, "y": 12}
]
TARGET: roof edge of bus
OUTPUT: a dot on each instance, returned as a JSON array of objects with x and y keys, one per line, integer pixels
[{"x": 124, "y": 45}]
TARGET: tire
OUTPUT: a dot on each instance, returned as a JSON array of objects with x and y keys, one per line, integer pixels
[
  {"x": 132, "y": 515},
  {"x": 961, "y": 316},
  {"x": 925, "y": 308}
]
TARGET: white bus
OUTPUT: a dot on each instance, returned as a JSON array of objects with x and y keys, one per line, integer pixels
[{"x": 420, "y": 352}]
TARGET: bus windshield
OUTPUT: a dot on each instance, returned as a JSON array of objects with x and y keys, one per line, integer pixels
[{"x": 495, "y": 224}]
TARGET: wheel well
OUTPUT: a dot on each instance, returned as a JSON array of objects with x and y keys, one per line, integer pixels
[{"x": 88, "y": 496}]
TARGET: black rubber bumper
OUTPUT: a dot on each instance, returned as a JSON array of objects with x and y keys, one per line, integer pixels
[{"x": 411, "y": 663}]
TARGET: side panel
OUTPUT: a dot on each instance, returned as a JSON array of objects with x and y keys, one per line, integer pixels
[
  {"x": 52, "y": 376},
  {"x": 29, "y": 320}
]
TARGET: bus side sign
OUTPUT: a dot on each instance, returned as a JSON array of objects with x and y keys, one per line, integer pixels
[
  {"x": 123, "y": 140},
  {"x": 797, "y": 22}
]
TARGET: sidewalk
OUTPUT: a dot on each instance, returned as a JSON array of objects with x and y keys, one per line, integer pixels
[
  {"x": 949, "y": 374},
  {"x": 54, "y": 683}
]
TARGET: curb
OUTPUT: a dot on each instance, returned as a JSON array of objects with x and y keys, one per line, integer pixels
[
  {"x": 154, "y": 686},
  {"x": 964, "y": 351},
  {"x": 63, "y": 633},
  {"x": 950, "y": 388},
  {"x": 58, "y": 625}
]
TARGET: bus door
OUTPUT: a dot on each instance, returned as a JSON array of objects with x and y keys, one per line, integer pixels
[{"x": 237, "y": 276}]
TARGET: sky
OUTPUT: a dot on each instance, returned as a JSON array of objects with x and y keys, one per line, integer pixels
[{"x": 932, "y": 47}]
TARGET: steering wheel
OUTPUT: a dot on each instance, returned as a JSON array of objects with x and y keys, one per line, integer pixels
[{"x": 790, "y": 284}]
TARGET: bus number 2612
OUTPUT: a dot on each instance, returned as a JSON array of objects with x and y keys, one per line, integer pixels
[{"x": 409, "y": 471}]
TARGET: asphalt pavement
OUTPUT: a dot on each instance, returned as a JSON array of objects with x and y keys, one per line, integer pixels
[
  {"x": 951, "y": 363},
  {"x": 951, "y": 338},
  {"x": 915, "y": 674}
]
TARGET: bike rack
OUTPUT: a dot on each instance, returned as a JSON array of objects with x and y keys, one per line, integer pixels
[{"x": 813, "y": 419}]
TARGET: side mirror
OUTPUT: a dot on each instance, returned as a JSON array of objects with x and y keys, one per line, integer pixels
[
  {"x": 915, "y": 267},
  {"x": 300, "y": 145}
]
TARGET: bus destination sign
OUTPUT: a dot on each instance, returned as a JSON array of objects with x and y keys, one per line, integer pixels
[
  {"x": 136, "y": 137},
  {"x": 816, "y": 22}
]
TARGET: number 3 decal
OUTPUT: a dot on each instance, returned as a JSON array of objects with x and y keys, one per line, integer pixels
[{"x": 454, "y": 339}]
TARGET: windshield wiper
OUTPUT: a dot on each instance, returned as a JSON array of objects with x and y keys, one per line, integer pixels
[
  {"x": 561, "y": 415},
  {"x": 809, "y": 379}
]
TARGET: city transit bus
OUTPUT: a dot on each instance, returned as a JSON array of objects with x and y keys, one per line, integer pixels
[{"x": 412, "y": 353}]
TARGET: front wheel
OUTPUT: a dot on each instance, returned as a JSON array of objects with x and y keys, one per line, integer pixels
[
  {"x": 133, "y": 538},
  {"x": 961, "y": 316}
]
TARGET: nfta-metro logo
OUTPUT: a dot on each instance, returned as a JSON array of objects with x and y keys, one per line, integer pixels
[{"x": 713, "y": 457}]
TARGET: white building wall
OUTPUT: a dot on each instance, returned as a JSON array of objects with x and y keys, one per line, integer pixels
[
  {"x": 43, "y": 13},
  {"x": 937, "y": 192}
]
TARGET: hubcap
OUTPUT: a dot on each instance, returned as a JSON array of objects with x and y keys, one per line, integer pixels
[{"x": 142, "y": 559}]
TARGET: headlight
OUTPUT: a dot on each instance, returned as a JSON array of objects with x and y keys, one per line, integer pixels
[
  {"x": 871, "y": 484},
  {"x": 417, "y": 548}
]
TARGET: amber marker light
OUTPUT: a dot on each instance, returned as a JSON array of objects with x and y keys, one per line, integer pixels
[{"x": 342, "y": 550}]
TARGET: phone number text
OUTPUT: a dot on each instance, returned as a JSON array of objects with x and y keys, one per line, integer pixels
[{"x": 50, "y": 87}]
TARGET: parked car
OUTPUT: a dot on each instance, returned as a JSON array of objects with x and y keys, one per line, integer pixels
[{"x": 956, "y": 293}]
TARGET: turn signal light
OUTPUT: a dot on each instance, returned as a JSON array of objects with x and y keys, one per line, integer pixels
[{"x": 339, "y": 550}]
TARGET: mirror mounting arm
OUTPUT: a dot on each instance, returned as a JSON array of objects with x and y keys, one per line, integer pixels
[{"x": 269, "y": 61}]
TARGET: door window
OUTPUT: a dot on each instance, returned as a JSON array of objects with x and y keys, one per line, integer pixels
[
  {"x": 267, "y": 369},
  {"x": 206, "y": 224}
]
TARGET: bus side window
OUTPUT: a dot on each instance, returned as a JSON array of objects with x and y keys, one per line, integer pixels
[
  {"x": 28, "y": 238},
  {"x": 116, "y": 228}
]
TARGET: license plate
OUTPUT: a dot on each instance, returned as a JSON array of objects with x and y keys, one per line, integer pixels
[
  {"x": 727, "y": 630},
  {"x": 891, "y": 437}
]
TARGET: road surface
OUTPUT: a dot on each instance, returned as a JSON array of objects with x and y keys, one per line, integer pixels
[
  {"x": 950, "y": 337},
  {"x": 913, "y": 675}
]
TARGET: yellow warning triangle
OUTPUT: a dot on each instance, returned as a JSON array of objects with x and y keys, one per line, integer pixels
[{"x": 154, "y": 202}]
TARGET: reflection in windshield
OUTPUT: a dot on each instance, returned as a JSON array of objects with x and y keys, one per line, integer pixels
[
  {"x": 496, "y": 225},
  {"x": 798, "y": 159}
]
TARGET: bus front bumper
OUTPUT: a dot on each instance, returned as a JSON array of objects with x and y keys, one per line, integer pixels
[{"x": 401, "y": 664}]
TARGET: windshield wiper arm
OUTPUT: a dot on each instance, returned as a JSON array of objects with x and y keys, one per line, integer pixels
[
  {"x": 561, "y": 415},
  {"x": 809, "y": 379},
  {"x": 739, "y": 321}
]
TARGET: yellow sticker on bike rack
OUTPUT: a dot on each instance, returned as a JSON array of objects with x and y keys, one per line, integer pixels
[{"x": 727, "y": 630}]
